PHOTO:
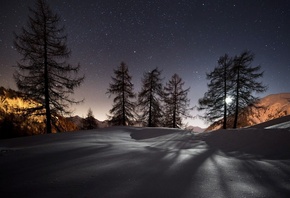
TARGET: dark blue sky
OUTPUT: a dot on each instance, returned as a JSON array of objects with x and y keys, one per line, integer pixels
[{"x": 180, "y": 36}]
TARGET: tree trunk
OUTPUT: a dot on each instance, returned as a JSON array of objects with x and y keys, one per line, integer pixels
[
  {"x": 174, "y": 110},
  {"x": 225, "y": 97},
  {"x": 46, "y": 84},
  {"x": 123, "y": 103},
  {"x": 150, "y": 104},
  {"x": 237, "y": 98}
]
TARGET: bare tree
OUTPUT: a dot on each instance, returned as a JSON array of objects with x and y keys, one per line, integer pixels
[
  {"x": 214, "y": 101},
  {"x": 246, "y": 82},
  {"x": 123, "y": 108},
  {"x": 90, "y": 122},
  {"x": 149, "y": 99},
  {"x": 43, "y": 73},
  {"x": 176, "y": 102}
]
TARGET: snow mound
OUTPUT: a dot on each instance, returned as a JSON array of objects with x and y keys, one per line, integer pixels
[
  {"x": 282, "y": 123},
  {"x": 147, "y": 133},
  {"x": 263, "y": 143},
  {"x": 146, "y": 162}
]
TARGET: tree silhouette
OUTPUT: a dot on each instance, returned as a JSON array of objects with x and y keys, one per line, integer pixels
[
  {"x": 246, "y": 82},
  {"x": 90, "y": 122},
  {"x": 176, "y": 102},
  {"x": 149, "y": 99},
  {"x": 123, "y": 107},
  {"x": 214, "y": 101},
  {"x": 235, "y": 78},
  {"x": 43, "y": 74}
]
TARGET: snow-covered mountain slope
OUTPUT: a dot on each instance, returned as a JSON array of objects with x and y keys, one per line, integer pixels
[
  {"x": 268, "y": 108},
  {"x": 272, "y": 106},
  {"x": 277, "y": 123}
]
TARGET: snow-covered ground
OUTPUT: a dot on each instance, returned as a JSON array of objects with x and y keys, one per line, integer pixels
[{"x": 147, "y": 162}]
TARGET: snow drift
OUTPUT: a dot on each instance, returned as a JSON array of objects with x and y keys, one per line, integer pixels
[{"x": 147, "y": 162}]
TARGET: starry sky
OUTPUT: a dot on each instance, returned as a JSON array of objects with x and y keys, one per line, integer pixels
[{"x": 178, "y": 36}]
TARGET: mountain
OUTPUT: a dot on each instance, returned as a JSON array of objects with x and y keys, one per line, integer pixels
[
  {"x": 15, "y": 121},
  {"x": 78, "y": 121},
  {"x": 268, "y": 108},
  {"x": 195, "y": 129},
  {"x": 12, "y": 100}
]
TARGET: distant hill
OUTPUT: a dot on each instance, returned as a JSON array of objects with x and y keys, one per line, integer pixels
[
  {"x": 78, "y": 121},
  {"x": 269, "y": 108},
  {"x": 195, "y": 129}
]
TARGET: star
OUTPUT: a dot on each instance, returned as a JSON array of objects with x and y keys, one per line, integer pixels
[{"x": 182, "y": 37}]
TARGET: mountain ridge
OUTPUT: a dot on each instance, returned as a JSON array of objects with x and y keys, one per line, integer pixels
[
  {"x": 270, "y": 107},
  {"x": 267, "y": 108}
]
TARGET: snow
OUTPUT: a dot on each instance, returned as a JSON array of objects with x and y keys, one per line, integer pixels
[{"x": 147, "y": 162}]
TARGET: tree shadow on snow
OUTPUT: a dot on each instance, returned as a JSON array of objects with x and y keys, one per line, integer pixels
[
  {"x": 247, "y": 143},
  {"x": 150, "y": 132},
  {"x": 157, "y": 164}
]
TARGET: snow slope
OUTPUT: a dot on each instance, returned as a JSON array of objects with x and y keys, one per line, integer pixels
[
  {"x": 269, "y": 108},
  {"x": 147, "y": 162},
  {"x": 273, "y": 106}
]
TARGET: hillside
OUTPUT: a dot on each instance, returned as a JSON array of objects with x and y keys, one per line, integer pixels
[
  {"x": 269, "y": 107},
  {"x": 14, "y": 120},
  {"x": 12, "y": 102},
  {"x": 78, "y": 121}
]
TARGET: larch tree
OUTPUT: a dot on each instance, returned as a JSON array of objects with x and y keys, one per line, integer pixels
[
  {"x": 215, "y": 100},
  {"x": 150, "y": 97},
  {"x": 123, "y": 109},
  {"x": 43, "y": 73},
  {"x": 246, "y": 82},
  {"x": 176, "y": 102},
  {"x": 89, "y": 122}
]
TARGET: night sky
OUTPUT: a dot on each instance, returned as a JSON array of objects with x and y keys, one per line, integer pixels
[{"x": 178, "y": 36}]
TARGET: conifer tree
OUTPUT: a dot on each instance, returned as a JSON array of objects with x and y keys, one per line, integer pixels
[
  {"x": 123, "y": 108},
  {"x": 246, "y": 82},
  {"x": 234, "y": 78},
  {"x": 176, "y": 102},
  {"x": 149, "y": 99},
  {"x": 90, "y": 122},
  {"x": 214, "y": 101},
  {"x": 43, "y": 73}
]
